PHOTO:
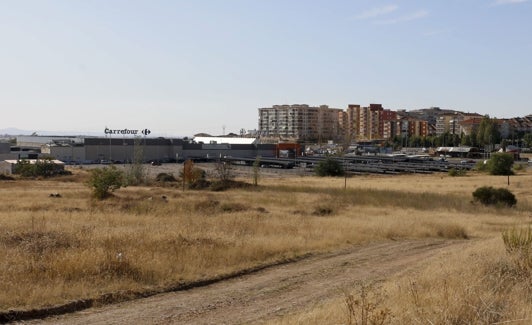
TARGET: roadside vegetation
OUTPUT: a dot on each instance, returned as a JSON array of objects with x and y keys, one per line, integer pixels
[{"x": 62, "y": 248}]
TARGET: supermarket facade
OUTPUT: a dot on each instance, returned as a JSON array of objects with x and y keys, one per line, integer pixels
[{"x": 119, "y": 147}]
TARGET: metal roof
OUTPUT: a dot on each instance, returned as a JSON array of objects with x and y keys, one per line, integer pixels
[{"x": 224, "y": 140}]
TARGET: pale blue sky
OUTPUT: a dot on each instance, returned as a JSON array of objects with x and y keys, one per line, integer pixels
[{"x": 184, "y": 67}]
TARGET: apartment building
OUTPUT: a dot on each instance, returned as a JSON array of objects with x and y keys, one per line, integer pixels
[
  {"x": 300, "y": 122},
  {"x": 356, "y": 123},
  {"x": 448, "y": 122},
  {"x": 372, "y": 122}
]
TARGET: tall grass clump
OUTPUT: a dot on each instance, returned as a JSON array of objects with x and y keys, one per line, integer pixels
[
  {"x": 365, "y": 305},
  {"x": 518, "y": 244}
]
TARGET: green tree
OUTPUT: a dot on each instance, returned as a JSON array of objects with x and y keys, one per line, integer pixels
[
  {"x": 105, "y": 180},
  {"x": 474, "y": 137},
  {"x": 500, "y": 164},
  {"x": 329, "y": 167},
  {"x": 466, "y": 140},
  {"x": 527, "y": 138},
  {"x": 488, "y": 132}
]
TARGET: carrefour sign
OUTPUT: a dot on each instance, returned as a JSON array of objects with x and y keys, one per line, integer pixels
[{"x": 126, "y": 131}]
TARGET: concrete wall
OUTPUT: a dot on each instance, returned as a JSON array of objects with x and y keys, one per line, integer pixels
[
  {"x": 210, "y": 151},
  {"x": 5, "y": 147},
  {"x": 65, "y": 153}
]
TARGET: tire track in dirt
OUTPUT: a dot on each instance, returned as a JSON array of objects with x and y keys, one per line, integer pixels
[{"x": 269, "y": 293}]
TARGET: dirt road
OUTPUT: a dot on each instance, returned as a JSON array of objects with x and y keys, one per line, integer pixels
[{"x": 268, "y": 293}]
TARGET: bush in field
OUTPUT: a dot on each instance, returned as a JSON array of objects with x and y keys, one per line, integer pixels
[
  {"x": 165, "y": 178},
  {"x": 329, "y": 167},
  {"x": 218, "y": 186},
  {"x": 488, "y": 195},
  {"x": 500, "y": 164},
  {"x": 4, "y": 177},
  {"x": 193, "y": 177},
  {"x": 105, "y": 180},
  {"x": 224, "y": 171},
  {"x": 457, "y": 172}
]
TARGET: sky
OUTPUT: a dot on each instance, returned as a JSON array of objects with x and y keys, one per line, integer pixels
[{"x": 183, "y": 67}]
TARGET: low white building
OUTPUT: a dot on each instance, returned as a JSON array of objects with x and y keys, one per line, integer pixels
[{"x": 225, "y": 140}]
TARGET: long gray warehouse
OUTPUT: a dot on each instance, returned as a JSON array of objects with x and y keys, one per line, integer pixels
[{"x": 148, "y": 149}]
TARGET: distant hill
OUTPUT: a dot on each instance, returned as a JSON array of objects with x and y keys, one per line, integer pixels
[{"x": 14, "y": 131}]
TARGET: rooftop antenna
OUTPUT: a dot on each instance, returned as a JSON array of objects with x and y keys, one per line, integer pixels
[{"x": 223, "y": 128}]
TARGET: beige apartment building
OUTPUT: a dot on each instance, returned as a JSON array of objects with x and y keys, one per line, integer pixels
[
  {"x": 355, "y": 123},
  {"x": 300, "y": 122}
]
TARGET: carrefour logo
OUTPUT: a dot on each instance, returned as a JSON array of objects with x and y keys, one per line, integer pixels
[{"x": 126, "y": 131}]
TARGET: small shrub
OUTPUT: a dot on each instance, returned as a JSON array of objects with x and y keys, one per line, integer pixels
[
  {"x": 488, "y": 195},
  {"x": 329, "y": 167},
  {"x": 218, "y": 186},
  {"x": 4, "y": 177},
  {"x": 105, "y": 180},
  {"x": 457, "y": 172},
  {"x": 193, "y": 177},
  {"x": 224, "y": 171},
  {"x": 323, "y": 210},
  {"x": 165, "y": 178},
  {"x": 199, "y": 184},
  {"x": 365, "y": 306}
]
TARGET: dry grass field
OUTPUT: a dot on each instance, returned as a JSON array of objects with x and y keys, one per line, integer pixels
[{"x": 57, "y": 249}]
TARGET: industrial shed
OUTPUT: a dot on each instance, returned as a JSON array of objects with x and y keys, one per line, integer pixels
[{"x": 458, "y": 152}]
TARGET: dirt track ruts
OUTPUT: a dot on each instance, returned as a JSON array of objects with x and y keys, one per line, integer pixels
[{"x": 269, "y": 293}]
